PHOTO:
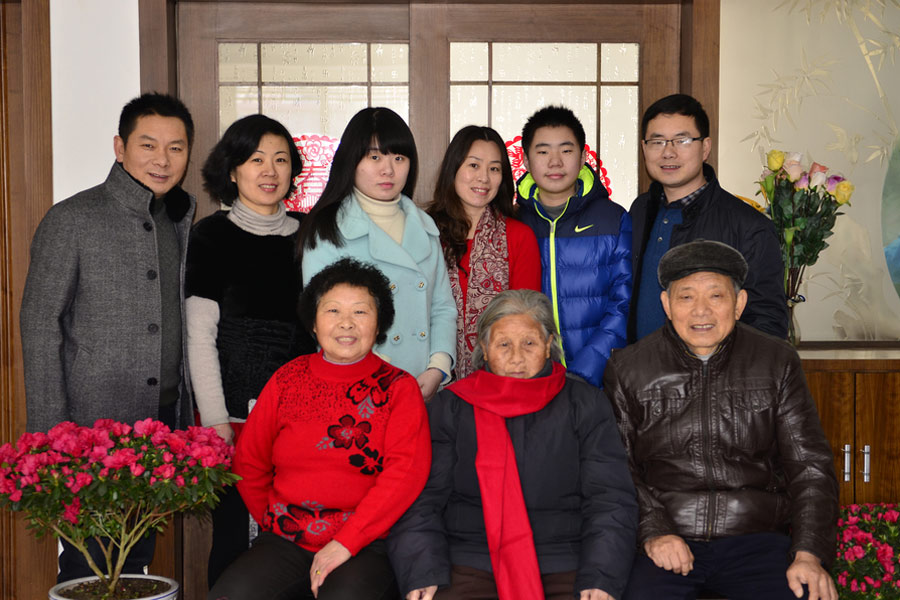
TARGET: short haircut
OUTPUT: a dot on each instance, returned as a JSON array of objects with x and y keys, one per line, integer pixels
[
  {"x": 163, "y": 105},
  {"x": 677, "y": 104},
  {"x": 354, "y": 273},
  {"x": 237, "y": 145},
  {"x": 516, "y": 302},
  {"x": 552, "y": 116}
]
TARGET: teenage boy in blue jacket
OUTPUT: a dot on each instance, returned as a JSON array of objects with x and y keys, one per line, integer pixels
[{"x": 584, "y": 239}]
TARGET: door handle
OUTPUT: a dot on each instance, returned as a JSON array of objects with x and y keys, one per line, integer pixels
[
  {"x": 848, "y": 458},
  {"x": 867, "y": 463}
]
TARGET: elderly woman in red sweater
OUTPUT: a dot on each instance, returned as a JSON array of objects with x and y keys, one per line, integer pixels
[{"x": 335, "y": 450}]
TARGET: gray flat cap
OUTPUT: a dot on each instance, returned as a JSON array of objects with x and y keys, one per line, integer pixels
[{"x": 701, "y": 255}]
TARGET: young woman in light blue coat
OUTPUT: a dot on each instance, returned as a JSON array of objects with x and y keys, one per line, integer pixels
[{"x": 365, "y": 212}]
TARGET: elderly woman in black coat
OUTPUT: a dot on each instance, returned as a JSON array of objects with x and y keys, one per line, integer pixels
[{"x": 529, "y": 494}]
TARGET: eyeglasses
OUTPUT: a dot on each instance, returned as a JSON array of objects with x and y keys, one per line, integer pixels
[{"x": 679, "y": 143}]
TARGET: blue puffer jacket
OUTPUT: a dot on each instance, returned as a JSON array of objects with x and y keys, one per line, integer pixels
[{"x": 586, "y": 262}]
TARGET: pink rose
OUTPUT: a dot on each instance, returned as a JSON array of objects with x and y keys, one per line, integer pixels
[
  {"x": 817, "y": 168},
  {"x": 816, "y": 179},
  {"x": 802, "y": 183}
]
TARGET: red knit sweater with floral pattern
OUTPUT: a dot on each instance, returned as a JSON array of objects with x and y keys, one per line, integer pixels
[{"x": 334, "y": 451}]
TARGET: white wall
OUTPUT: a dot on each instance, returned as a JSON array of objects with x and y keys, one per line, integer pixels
[
  {"x": 95, "y": 70},
  {"x": 812, "y": 76}
]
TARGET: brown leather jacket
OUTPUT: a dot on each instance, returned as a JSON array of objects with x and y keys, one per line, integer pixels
[{"x": 728, "y": 447}]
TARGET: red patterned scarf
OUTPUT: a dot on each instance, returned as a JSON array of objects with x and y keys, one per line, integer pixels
[
  {"x": 510, "y": 540},
  {"x": 488, "y": 276}
]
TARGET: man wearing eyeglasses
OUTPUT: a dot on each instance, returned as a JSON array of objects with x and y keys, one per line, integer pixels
[{"x": 685, "y": 203}]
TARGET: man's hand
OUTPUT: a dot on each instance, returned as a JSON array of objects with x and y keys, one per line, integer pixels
[
  {"x": 429, "y": 382},
  {"x": 595, "y": 594},
  {"x": 422, "y": 593},
  {"x": 807, "y": 569},
  {"x": 225, "y": 432},
  {"x": 671, "y": 553},
  {"x": 330, "y": 557}
]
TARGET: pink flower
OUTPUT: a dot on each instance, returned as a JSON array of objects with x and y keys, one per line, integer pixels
[
  {"x": 179, "y": 481},
  {"x": 816, "y": 179},
  {"x": 891, "y": 516},
  {"x": 15, "y": 496},
  {"x": 148, "y": 427},
  {"x": 123, "y": 457},
  {"x": 792, "y": 166},
  {"x": 79, "y": 481},
  {"x": 137, "y": 469},
  {"x": 817, "y": 168},
  {"x": 802, "y": 183},
  {"x": 164, "y": 471},
  {"x": 72, "y": 510},
  {"x": 854, "y": 586}
]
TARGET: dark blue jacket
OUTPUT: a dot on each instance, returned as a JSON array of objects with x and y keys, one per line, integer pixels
[{"x": 586, "y": 262}]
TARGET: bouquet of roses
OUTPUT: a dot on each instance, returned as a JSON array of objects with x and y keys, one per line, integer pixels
[
  {"x": 866, "y": 567},
  {"x": 803, "y": 204},
  {"x": 112, "y": 482}
]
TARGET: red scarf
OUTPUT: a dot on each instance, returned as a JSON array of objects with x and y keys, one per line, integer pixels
[{"x": 509, "y": 536}]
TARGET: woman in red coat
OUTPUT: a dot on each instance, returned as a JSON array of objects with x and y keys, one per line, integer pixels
[{"x": 487, "y": 249}]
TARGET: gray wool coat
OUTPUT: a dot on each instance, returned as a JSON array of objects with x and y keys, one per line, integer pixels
[{"x": 91, "y": 294}]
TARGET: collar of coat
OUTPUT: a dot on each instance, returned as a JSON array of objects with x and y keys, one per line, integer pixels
[
  {"x": 354, "y": 223},
  {"x": 135, "y": 196}
]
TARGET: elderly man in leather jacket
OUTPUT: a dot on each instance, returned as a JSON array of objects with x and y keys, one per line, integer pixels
[{"x": 734, "y": 476}]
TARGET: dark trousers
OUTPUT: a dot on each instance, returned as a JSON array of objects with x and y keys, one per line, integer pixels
[
  {"x": 467, "y": 583},
  {"x": 277, "y": 569},
  {"x": 739, "y": 567},
  {"x": 73, "y": 565},
  {"x": 231, "y": 533}
]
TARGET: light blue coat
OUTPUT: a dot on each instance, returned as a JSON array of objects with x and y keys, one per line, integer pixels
[{"x": 425, "y": 312}]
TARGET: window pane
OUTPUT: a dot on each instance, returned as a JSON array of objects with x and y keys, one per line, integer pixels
[
  {"x": 395, "y": 97},
  {"x": 468, "y": 106},
  {"x": 545, "y": 62},
  {"x": 619, "y": 62},
  {"x": 237, "y": 62},
  {"x": 390, "y": 63},
  {"x": 619, "y": 140},
  {"x": 236, "y": 101},
  {"x": 314, "y": 109},
  {"x": 345, "y": 63},
  {"x": 468, "y": 61},
  {"x": 511, "y": 105}
]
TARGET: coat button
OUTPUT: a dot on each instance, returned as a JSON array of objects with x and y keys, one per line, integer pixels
[
  {"x": 421, "y": 285},
  {"x": 422, "y": 335},
  {"x": 152, "y": 327},
  {"x": 393, "y": 288},
  {"x": 151, "y": 274},
  {"x": 152, "y": 381},
  {"x": 666, "y": 221},
  {"x": 659, "y": 239},
  {"x": 396, "y": 339},
  {"x": 148, "y": 226}
]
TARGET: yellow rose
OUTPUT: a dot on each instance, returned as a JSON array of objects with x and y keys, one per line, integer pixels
[
  {"x": 843, "y": 191},
  {"x": 774, "y": 159}
]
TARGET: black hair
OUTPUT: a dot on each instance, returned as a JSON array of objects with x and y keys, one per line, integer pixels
[
  {"x": 163, "y": 105},
  {"x": 378, "y": 126},
  {"x": 552, "y": 116},
  {"x": 677, "y": 104},
  {"x": 237, "y": 145},
  {"x": 352, "y": 272},
  {"x": 446, "y": 208}
]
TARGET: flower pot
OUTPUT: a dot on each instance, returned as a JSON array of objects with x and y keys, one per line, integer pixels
[{"x": 58, "y": 592}]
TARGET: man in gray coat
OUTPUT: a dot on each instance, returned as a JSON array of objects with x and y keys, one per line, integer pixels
[{"x": 102, "y": 316}]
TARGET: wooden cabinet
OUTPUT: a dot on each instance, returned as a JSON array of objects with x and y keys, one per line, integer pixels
[{"x": 858, "y": 396}]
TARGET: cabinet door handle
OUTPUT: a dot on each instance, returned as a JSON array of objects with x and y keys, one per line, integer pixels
[
  {"x": 867, "y": 463},
  {"x": 848, "y": 458}
]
